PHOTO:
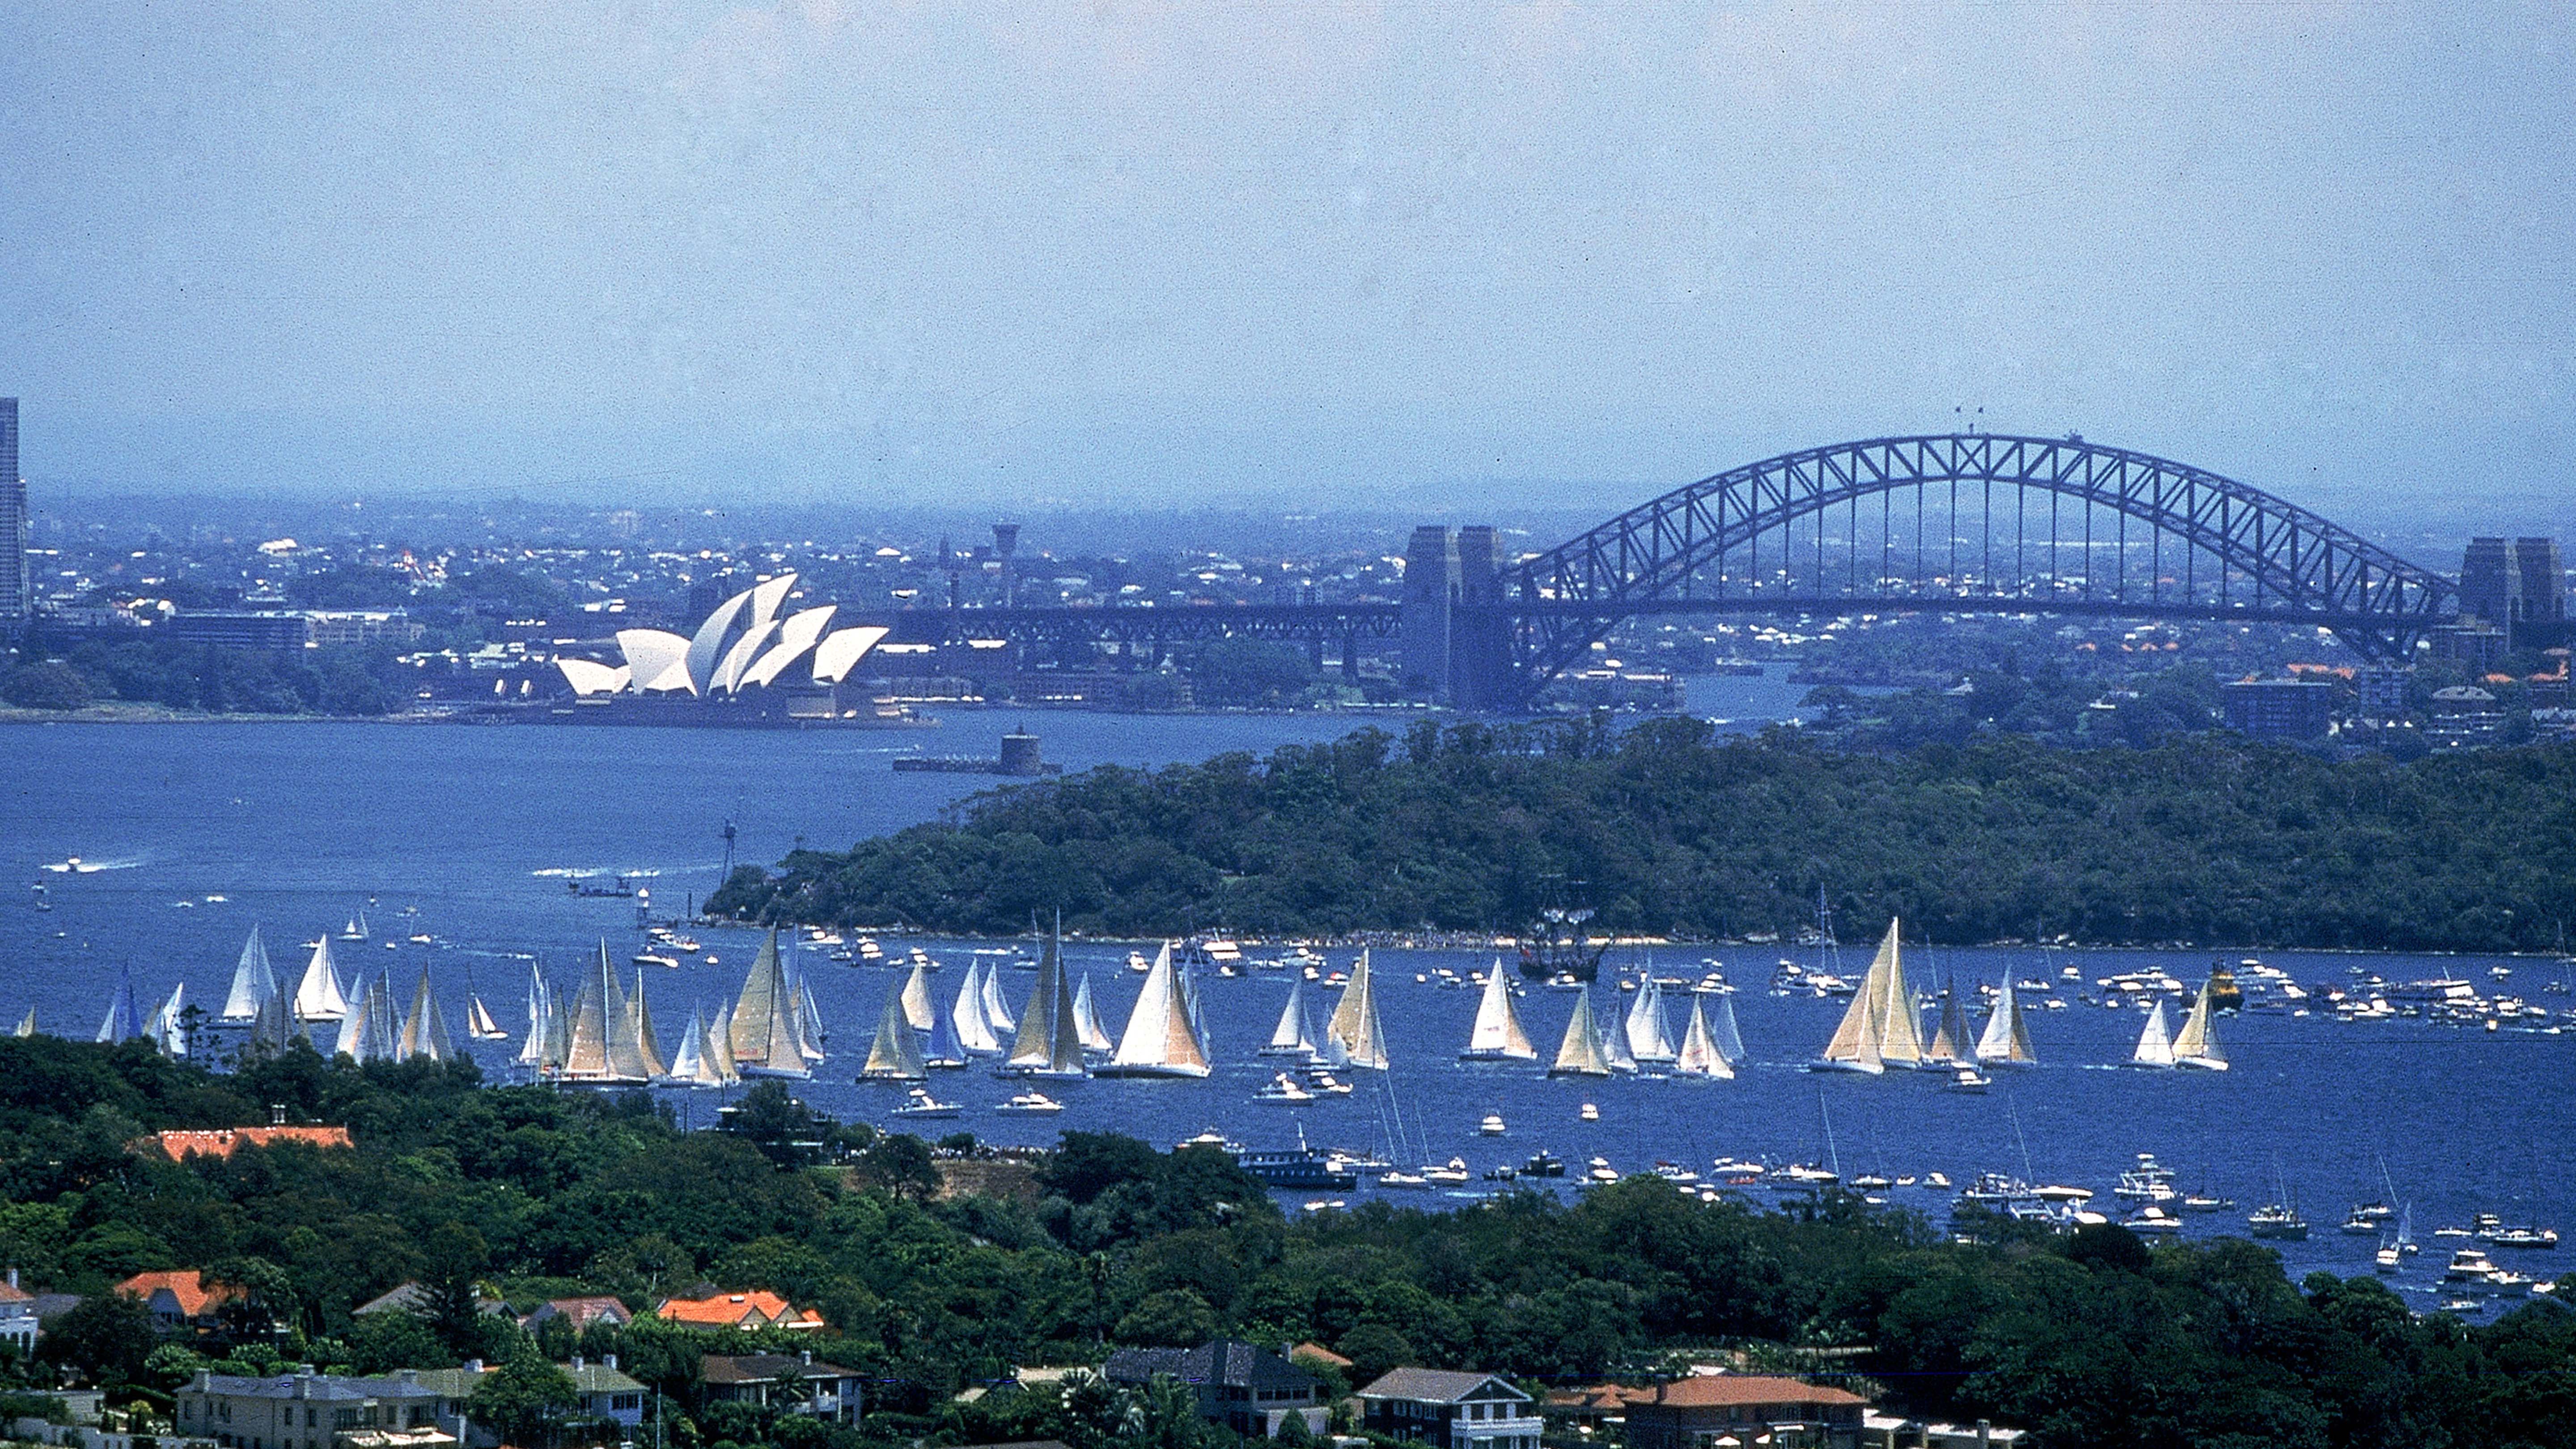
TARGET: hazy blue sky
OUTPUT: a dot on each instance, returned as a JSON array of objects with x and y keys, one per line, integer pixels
[{"x": 1337, "y": 252}]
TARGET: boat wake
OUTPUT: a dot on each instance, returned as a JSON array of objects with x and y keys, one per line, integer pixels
[
  {"x": 78, "y": 865},
  {"x": 593, "y": 872}
]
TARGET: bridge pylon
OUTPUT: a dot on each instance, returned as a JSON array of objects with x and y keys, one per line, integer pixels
[{"x": 1456, "y": 627}]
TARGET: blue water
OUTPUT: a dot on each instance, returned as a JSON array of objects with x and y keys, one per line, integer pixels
[{"x": 301, "y": 825}]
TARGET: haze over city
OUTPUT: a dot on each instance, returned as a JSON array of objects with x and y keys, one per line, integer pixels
[{"x": 1341, "y": 256}]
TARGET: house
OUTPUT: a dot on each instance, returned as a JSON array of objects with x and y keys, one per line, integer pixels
[
  {"x": 1590, "y": 1410},
  {"x": 580, "y": 1313},
  {"x": 1705, "y": 1411},
  {"x": 1450, "y": 1410},
  {"x": 1888, "y": 1431},
  {"x": 180, "y": 1300},
  {"x": 225, "y": 1141},
  {"x": 755, "y": 1308},
  {"x": 18, "y": 1322},
  {"x": 1242, "y": 1386},
  {"x": 606, "y": 1394},
  {"x": 306, "y": 1410},
  {"x": 781, "y": 1384}
]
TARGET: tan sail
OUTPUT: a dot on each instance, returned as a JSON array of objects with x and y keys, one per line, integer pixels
[
  {"x": 2196, "y": 1045},
  {"x": 895, "y": 1055},
  {"x": 639, "y": 1029},
  {"x": 1498, "y": 1034},
  {"x": 1900, "y": 1038},
  {"x": 1855, "y": 1043},
  {"x": 916, "y": 997},
  {"x": 1951, "y": 1044},
  {"x": 1579, "y": 1054},
  {"x": 1345, "y": 1023},
  {"x": 767, "y": 1031},
  {"x": 2007, "y": 1037}
]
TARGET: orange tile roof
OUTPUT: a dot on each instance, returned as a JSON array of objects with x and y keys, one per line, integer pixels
[
  {"x": 223, "y": 1141},
  {"x": 195, "y": 1296},
  {"x": 1707, "y": 1391},
  {"x": 755, "y": 1308}
]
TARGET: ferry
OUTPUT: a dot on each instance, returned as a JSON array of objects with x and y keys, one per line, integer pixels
[{"x": 1301, "y": 1166}]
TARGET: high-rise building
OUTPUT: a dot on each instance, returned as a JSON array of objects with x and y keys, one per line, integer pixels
[
  {"x": 16, "y": 597},
  {"x": 2544, "y": 579}
]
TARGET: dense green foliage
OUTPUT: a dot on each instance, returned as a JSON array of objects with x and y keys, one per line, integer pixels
[
  {"x": 2095, "y": 1341},
  {"x": 2209, "y": 840},
  {"x": 347, "y": 680}
]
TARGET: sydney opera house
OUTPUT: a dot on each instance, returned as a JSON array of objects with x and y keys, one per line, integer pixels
[{"x": 747, "y": 664}]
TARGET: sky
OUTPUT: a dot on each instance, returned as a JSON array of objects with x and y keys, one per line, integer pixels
[{"x": 1315, "y": 255}]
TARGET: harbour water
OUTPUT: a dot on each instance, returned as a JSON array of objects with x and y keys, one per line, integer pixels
[{"x": 473, "y": 836}]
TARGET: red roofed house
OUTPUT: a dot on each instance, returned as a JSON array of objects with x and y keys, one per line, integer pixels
[
  {"x": 753, "y": 1309},
  {"x": 1713, "y": 1411},
  {"x": 179, "y": 1300},
  {"x": 18, "y": 1325},
  {"x": 581, "y": 1313},
  {"x": 224, "y": 1141}
]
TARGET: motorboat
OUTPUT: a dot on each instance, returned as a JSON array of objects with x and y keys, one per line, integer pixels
[
  {"x": 1322, "y": 1083},
  {"x": 1452, "y": 1174},
  {"x": 1403, "y": 1181},
  {"x": 1589, "y": 1113},
  {"x": 2152, "y": 1220},
  {"x": 2149, "y": 1181},
  {"x": 1968, "y": 1079},
  {"x": 1031, "y": 1102},
  {"x": 1210, "y": 1138},
  {"x": 1492, "y": 1126},
  {"x": 2206, "y": 1202},
  {"x": 919, "y": 1103},
  {"x": 1543, "y": 1163},
  {"x": 2279, "y": 1221},
  {"x": 1284, "y": 1089},
  {"x": 1599, "y": 1170},
  {"x": 655, "y": 958},
  {"x": 2386, "y": 1260}
]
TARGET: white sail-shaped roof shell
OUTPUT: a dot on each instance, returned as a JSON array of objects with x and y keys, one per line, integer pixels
[
  {"x": 709, "y": 640},
  {"x": 588, "y": 676},
  {"x": 798, "y": 634},
  {"x": 737, "y": 660},
  {"x": 656, "y": 659},
  {"x": 837, "y": 655}
]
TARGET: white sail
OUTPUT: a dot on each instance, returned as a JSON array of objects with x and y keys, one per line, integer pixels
[
  {"x": 532, "y": 1053},
  {"x": 167, "y": 1031},
  {"x": 2155, "y": 1046},
  {"x": 1614, "y": 1040},
  {"x": 424, "y": 1030},
  {"x": 1579, "y": 1054},
  {"x": 766, "y": 1032},
  {"x": 254, "y": 981},
  {"x": 639, "y": 1026},
  {"x": 809, "y": 1022},
  {"x": 1086, "y": 1018},
  {"x": 1699, "y": 1056},
  {"x": 1722, "y": 1032},
  {"x": 479, "y": 1023},
  {"x": 1498, "y": 1034},
  {"x": 1289, "y": 1038},
  {"x": 974, "y": 1031},
  {"x": 1649, "y": 1038},
  {"x": 2196, "y": 1045},
  {"x": 27, "y": 1023},
  {"x": 1160, "y": 1040},
  {"x": 895, "y": 1055},
  {"x": 352, "y": 1041},
  {"x": 1900, "y": 1040},
  {"x": 2006, "y": 1040},
  {"x": 916, "y": 997},
  {"x": 689, "y": 1067},
  {"x": 1000, "y": 1020},
  {"x": 318, "y": 996}
]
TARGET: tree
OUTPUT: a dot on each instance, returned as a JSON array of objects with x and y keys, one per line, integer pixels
[
  {"x": 49, "y": 684},
  {"x": 105, "y": 1340},
  {"x": 524, "y": 1400},
  {"x": 901, "y": 1164},
  {"x": 456, "y": 1256}
]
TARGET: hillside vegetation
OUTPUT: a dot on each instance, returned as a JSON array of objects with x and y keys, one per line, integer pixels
[{"x": 1668, "y": 829}]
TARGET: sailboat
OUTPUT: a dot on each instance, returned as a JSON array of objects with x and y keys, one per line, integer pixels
[
  {"x": 478, "y": 1019},
  {"x": 2006, "y": 1042},
  {"x": 1497, "y": 1035},
  {"x": 165, "y": 1028},
  {"x": 356, "y": 930},
  {"x": 27, "y": 1023},
  {"x": 894, "y": 1056},
  {"x": 532, "y": 1053},
  {"x": 1722, "y": 1032},
  {"x": 966, "y": 1017},
  {"x": 254, "y": 981},
  {"x": 767, "y": 1030},
  {"x": 2196, "y": 1045},
  {"x": 999, "y": 1019},
  {"x": 1699, "y": 1056},
  {"x": 916, "y": 997},
  {"x": 1650, "y": 1039},
  {"x": 424, "y": 1029},
  {"x": 1048, "y": 1041},
  {"x": 639, "y": 1027},
  {"x": 1878, "y": 1027},
  {"x": 1355, "y": 1021},
  {"x": 1161, "y": 1039},
  {"x": 1579, "y": 1054},
  {"x": 701, "y": 1062},
  {"x": 124, "y": 1021},
  {"x": 2155, "y": 1044},
  {"x": 1952, "y": 1046},
  {"x": 1086, "y": 1019},
  {"x": 1614, "y": 1041},
  {"x": 1291, "y": 1038},
  {"x": 318, "y": 996},
  {"x": 603, "y": 1048},
  {"x": 943, "y": 1049}
]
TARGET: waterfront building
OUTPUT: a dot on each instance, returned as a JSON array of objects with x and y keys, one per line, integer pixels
[
  {"x": 1450, "y": 1410},
  {"x": 258, "y": 629},
  {"x": 308, "y": 1410},
  {"x": 1699, "y": 1411},
  {"x": 1240, "y": 1386},
  {"x": 782, "y": 1384},
  {"x": 17, "y": 594}
]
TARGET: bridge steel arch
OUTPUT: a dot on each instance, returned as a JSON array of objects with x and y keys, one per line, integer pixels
[{"x": 2301, "y": 567}]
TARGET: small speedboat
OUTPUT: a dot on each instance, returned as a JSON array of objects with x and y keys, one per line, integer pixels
[
  {"x": 1324, "y": 1084},
  {"x": 1969, "y": 1079},
  {"x": 1453, "y": 1175},
  {"x": 1492, "y": 1126},
  {"x": 2386, "y": 1259},
  {"x": 1589, "y": 1113},
  {"x": 1209, "y": 1138},
  {"x": 1403, "y": 1181},
  {"x": 1284, "y": 1089},
  {"x": 1600, "y": 1170},
  {"x": 919, "y": 1103},
  {"x": 1031, "y": 1102},
  {"x": 2152, "y": 1219}
]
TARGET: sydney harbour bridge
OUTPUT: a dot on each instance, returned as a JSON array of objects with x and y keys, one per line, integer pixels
[{"x": 1950, "y": 523}]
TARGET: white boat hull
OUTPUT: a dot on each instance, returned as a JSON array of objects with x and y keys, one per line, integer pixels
[{"x": 1867, "y": 1069}]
